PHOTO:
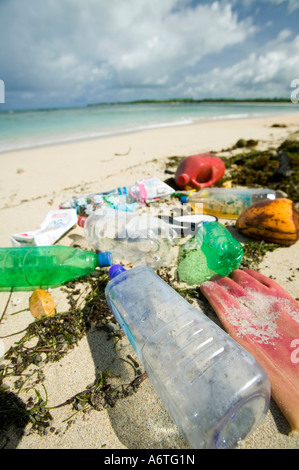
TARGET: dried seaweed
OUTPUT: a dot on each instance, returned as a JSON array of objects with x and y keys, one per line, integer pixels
[
  {"x": 257, "y": 168},
  {"x": 54, "y": 337},
  {"x": 254, "y": 252}
]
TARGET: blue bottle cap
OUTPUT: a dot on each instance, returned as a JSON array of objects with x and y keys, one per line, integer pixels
[
  {"x": 184, "y": 199},
  {"x": 105, "y": 259},
  {"x": 115, "y": 270}
]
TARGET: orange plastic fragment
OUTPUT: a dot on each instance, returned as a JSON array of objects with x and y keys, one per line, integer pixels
[{"x": 41, "y": 304}]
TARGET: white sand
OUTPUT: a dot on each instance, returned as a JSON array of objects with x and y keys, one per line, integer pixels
[{"x": 34, "y": 181}]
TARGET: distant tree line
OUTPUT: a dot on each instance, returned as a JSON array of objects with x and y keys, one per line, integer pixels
[{"x": 204, "y": 100}]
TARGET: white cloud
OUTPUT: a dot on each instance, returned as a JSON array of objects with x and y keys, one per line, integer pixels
[
  {"x": 62, "y": 46},
  {"x": 265, "y": 74},
  {"x": 68, "y": 51},
  {"x": 292, "y": 5},
  {"x": 175, "y": 41}
]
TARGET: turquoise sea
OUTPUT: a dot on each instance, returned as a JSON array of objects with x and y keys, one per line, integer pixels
[{"x": 25, "y": 129}]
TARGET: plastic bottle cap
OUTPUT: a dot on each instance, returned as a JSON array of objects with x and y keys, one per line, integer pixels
[
  {"x": 81, "y": 221},
  {"x": 184, "y": 199},
  {"x": 115, "y": 270},
  {"x": 105, "y": 259},
  {"x": 183, "y": 179}
]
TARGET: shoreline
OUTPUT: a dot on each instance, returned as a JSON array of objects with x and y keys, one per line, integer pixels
[
  {"x": 35, "y": 181},
  {"x": 77, "y": 138},
  {"x": 86, "y": 162},
  {"x": 111, "y": 134}
]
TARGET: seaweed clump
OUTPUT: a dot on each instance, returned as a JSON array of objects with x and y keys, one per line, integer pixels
[
  {"x": 53, "y": 338},
  {"x": 275, "y": 169}
]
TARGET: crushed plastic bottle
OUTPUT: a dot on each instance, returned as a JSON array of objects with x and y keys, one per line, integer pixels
[
  {"x": 226, "y": 202},
  {"x": 27, "y": 268},
  {"x": 130, "y": 238},
  {"x": 213, "y": 250},
  {"x": 223, "y": 252},
  {"x": 214, "y": 390}
]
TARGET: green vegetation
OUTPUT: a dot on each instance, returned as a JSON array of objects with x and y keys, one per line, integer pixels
[
  {"x": 204, "y": 100},
  {"x": 276, "y": 169},
  {"x": 54, "y": 337}
]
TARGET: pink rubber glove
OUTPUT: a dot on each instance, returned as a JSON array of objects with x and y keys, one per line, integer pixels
[{"x": 260, "y": 315}]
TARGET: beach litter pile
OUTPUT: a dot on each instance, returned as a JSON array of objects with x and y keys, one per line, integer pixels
[{"x": 147, "y": 243}]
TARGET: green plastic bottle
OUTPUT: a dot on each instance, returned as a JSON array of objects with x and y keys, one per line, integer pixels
[
  {"x": 27, "y": 268},
  {"x": 223, "y": 252},
  {"x": 212, "y": 251}
]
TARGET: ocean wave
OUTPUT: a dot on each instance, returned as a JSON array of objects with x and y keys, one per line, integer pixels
[
  {"x": 231, "y": 116},
  {"x": 64, "y": 139},
  {"x": 112, "y": 124}
]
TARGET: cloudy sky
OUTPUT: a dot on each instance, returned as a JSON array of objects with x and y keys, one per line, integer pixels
[{"x": 73, "y": 52}]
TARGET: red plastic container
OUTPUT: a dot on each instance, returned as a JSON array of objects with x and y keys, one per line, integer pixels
[{"x": 199, "y": 171}]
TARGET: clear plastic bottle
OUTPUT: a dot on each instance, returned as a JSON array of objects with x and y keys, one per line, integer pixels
[
  {"x": 226, "y": 202},
  {"x": 214, "y": 390},
  {"x": 27, "y": 268},
  {"x": 130, "y": 238}
]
